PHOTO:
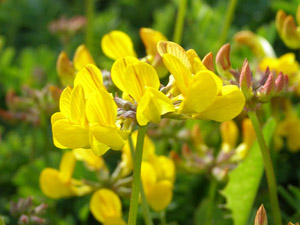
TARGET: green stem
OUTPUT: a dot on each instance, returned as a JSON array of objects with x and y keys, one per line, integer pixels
[
  {"x": 136, "y": 176},
  {"x": 211, "y": 198},
  {"x": 268, "y": 168},
  {"x": 89, "y": 6},
  {"x": 180, "y": 21},
  {"x": 163, "y": 220},
  {"x": 228, "y": 20},
  {"x": 145, "y": 206}
]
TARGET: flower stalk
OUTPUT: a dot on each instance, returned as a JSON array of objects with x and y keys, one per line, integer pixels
[
  {"x": 180, "y": 21},
  {"x": 136, "y": 184},
  {"x": 268, "y": 168}
]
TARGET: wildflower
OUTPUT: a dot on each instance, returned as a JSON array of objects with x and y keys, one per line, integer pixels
[
  {"x": 92, "y": 161},
  {"x": 158, "y": 176},
  {"x": 287, "y": 29},
  {"x": 106, "y": 207},
  {"x": 140, "y": 81},
  {"x": 118, "y": 44},
  {"x": 229, "y": 133},
  {"x": 261, "y": 216},
  {"x": 59, "y": 183},
  {"x": 88, "y": 115},
  {"x": 200, "y": 92},
  {"x": 67, "y": 70}
]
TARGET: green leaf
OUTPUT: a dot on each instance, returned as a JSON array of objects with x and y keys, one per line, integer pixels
[
  {"x": 1, "y": 221},
  {"x": 243, "y": 183}
]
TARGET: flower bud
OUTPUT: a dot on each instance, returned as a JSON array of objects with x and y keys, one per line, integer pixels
[
  {"x": 290, "y": 34},
  {"x": 290, "y": 223},
  {"x": 223, "y": 60},
  {"x": 267, "y": 90},
  {"x": 245, "y": 80},
  {"x": 229, "y": 133},
  {"x": 23, "y": 219},
  {"x": 280, "y": 17},
  {"x": 279, "y": 83},
  {"x": 208, "y": 62},
  {"x": 65, "y": 69},
  {"x": 261, "y": 216}
]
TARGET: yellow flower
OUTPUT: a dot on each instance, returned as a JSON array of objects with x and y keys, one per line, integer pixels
[
  {"x": 118, "y": 44},
  {"x": 286, "y": 64},
  {"x": 140, "y": 81},
  {"x": 200, "y": 92},
  {"x": 59, "y": 183},
  {"x": 290, "y": 129},
  {"x": 229, "y": 133},
  {"x": 88, "y": 115},
  {"x": 65, "y": 68},
  {"x": 106, "y": 207},
  {"x": 158, "y": 176}
]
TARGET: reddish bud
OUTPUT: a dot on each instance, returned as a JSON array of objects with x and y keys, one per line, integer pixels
[
  {"x": 246, "y": 80},
  {"x": 222, "y": 58},
  {"x": 208, "y": 61},
  {"x": 261, "y": 216},
  {"x": 24, "y": 219},
  {"x": 269, "y": 85},
  {"x": 279, "y": 83}
]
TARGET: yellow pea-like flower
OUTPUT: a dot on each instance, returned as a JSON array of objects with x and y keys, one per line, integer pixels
[
  {"x": 91, "y": 160},
  {"x": 140, "y": 81},
  {"x": 201, "y": 92},
  {"x": 229, "y": 133},
  {"x": 106, "y": 207},
  {"x": 59, "y": 183},
  {"x": 158, "y": 175},
  {"x": 67, "y": 70},
  {"x": 70, "y": 126}
]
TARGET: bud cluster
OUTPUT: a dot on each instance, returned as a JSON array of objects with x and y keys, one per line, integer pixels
[{"x": 27, "y": 212}]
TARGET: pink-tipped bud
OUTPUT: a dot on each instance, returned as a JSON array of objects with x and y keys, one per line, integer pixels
[
  {"x": 269, "y": 85},
  {"x": 223, "y": 60},
  {"x": 286, "y": 81},
  {"x": 261, "y": 216},
  {"x": 246, "y": 80},
  {"x": 208, "y": 62},
  {"x": 279, "y": 83},
  {"x": 23, "y": 219}
]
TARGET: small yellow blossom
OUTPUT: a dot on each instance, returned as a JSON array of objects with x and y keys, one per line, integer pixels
[
  {"x": 92, "y": 161},
  {"x": 200, "y": 92},
  {"x": 59, "y": 183},
  {"x": 106, "y": 207},
  {"x": 67, "y": 70},
  {"x": 140, "y": 81}
]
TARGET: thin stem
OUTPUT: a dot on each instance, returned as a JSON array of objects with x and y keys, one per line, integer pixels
[
  {"x": 163, "y": 220},
  {"x": 136, "y": 176},
  {"x": 145, "y": 206},
  {"x": 211, "y": 197},
  {"x": 89, "y": 5},
  {"x": 268, "y": 168},
  {"x": 180, "y": 21},
  {"x": 228, "y": 20}
]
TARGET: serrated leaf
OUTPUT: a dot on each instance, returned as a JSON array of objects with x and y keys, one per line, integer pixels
[{"x": 244, "y": 181}]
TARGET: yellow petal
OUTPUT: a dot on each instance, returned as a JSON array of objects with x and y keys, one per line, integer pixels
[
  {"x": 152, "y": 105},
  {"x": 117, "y": 44},
  {"x": 150, "y": 39},
  {"x": 105, "y": 204},
  {"x": 181, "y": 73},
  {"x": 70, "y": 135},
  {"x": 114, "y": 221},
  {"x": 195, "y": 61},
  {"x": 66, "y": 166},
  {"x": 65, "y": 69},
  {"x": 174, "y": 49},
  {"x": 52, "y": 186},
  {"x": 78, "y": 106},
  {"x": 229, "y": 133},
  {"x": 249, "y": 135},
  {"x": 90, "y": 79},
  {"x": 98, "y": 148},
  {"x": 201, "y": 93},
  {"x": 64, "y": 102},
  {"x": 148, "y": 176},
  {"x": 109, "y": 136},
  {"x": 55, "y": 117},
  {"x": 139, "y": 76},
  {"x": 160, "y": 195},
  {"x": 225, "y": 107},
  {"x": 93, "y": 161},
  {"x": 101, "y": 109},
  {"x": 118, "y": 71},
  {"x": 164, "y": 167},
  {"x": 82, "y": 57}
]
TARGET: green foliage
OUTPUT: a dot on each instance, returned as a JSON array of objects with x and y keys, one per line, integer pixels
[{"x": 244, "y": 181}]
